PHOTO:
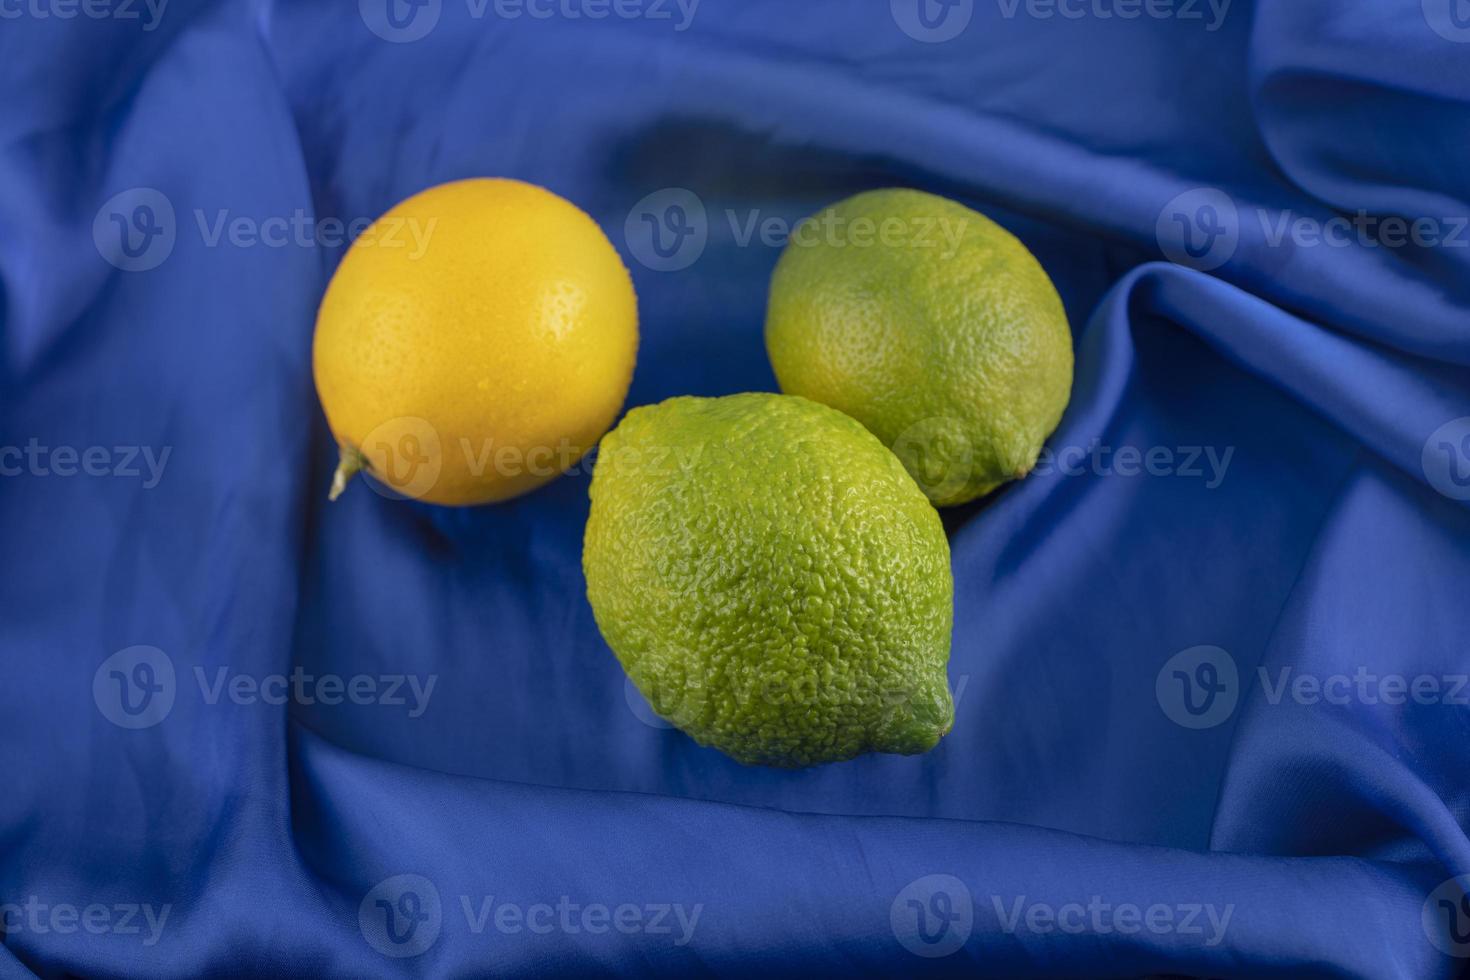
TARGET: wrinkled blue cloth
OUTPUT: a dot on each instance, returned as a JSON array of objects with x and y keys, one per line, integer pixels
[{"x": 1208, "y": 660}]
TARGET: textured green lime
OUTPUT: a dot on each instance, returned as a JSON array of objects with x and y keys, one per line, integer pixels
[
  {"x": 771, "y": 579},
  {"x": 931, "y": 325}
]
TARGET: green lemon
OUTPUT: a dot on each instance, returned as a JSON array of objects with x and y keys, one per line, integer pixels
[
  {"x": 772, "y": 580},
  {"x": 931, "y": 325}
]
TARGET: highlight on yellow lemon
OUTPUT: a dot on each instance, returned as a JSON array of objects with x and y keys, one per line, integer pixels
[{"x": 474, "y": 343}]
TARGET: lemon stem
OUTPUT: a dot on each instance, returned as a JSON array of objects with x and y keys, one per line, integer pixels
[{"x": 348, "y": 464}]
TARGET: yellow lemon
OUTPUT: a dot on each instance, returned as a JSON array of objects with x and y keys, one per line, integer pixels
[{"x": 474, "y": 343}]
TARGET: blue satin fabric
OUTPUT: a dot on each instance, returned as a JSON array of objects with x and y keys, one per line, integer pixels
[{"x": 1321, "y": 377}]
